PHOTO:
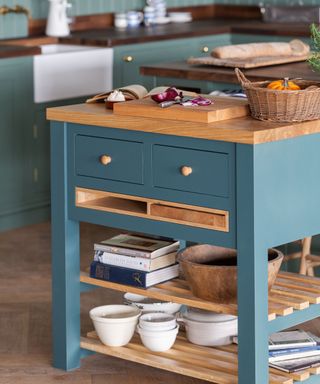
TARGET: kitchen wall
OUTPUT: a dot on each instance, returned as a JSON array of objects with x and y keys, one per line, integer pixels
[
  {"x": 39, "y": 8},
  {"x": 16, "y": 25}
]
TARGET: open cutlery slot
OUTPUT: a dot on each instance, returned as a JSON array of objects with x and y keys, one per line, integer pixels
[{"x": 153, "y": 209}]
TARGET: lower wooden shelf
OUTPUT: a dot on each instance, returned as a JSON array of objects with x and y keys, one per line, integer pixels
[
  {"x": 216, "y": 365},
  {"x": 291, "y": 292}
]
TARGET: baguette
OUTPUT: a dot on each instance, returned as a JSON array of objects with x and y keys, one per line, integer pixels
[{"x": 253, "y": 50}]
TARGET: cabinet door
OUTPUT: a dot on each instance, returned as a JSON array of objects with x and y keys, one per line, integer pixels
[
  {"x": 242, "y": 38},
  {"x": 41, "y": 156},
  {"x": 16, "y": 122},
  {"x": 40, "y": 136},
  {"x": 205, "y": 44},
  {"x": 129, "y": 59}
]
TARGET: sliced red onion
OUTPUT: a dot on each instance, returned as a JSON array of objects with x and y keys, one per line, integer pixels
[{"x": 201, "y": 101}]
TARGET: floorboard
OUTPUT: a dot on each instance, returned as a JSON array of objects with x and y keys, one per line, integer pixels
[{"x": 25, "y": 316}]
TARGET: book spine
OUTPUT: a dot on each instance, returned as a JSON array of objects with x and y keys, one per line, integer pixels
[
  {"x": 118, "y": 274},
  {"x": 132, "y": 262},
  {"x": 297, "y": 355},
  {"x": 289, "y": 351},
  {"x": 279, "y": 347},
  {"x": 122, "y": 251}
]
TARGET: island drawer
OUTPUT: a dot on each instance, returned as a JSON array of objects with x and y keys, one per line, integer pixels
[
  {"x": 191, "y": 170},
  {"x": 111, "y": 159}
]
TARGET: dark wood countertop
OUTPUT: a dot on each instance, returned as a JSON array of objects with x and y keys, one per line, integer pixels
[
  {"x": 112, "y": 37},
  {"x": 182, "y": 70},
  {"x": 8, "y": 51}
]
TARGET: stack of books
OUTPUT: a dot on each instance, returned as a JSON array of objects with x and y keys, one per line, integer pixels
[
  {"x": 135, "y": 260},
  {"x": 294, "y": 351}
]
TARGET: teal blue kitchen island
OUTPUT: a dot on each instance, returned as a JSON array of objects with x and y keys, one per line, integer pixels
[{"x": 253, "y": 185}]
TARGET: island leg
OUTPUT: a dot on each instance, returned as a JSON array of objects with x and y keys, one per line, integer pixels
[
  {"x": 65, "y": 260},
  {"x": 252, "y": 277}
]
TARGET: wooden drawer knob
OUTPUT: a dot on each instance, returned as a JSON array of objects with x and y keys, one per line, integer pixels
[
  {"x": 205, "y": 49},
  {"x": 105, "y": 160},
  {"x": 128, "y": 59},
  {"x": 186, "y": 171}
]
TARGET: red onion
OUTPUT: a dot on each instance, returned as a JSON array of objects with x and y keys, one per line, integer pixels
[{"x": 170, "y": 94}]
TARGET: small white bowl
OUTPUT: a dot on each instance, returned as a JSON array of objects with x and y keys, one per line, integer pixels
[
  {"x": 115, "y": 324},
  {"x": 158, "y": 341},
  {"x": 151, "y": 305},
  {"x": 157, "y": 322}
]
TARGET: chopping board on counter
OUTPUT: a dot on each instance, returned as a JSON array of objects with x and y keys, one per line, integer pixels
[
  {"x": 222, "y": 108},
  {"x": 254, "y": 62}
]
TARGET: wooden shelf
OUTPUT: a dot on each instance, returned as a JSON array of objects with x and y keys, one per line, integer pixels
[
  {"x": 217, "y": 365},
  {"x": 291, "y": 292}
]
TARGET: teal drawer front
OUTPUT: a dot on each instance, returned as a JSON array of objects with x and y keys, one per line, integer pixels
[
  {"x": 209, "y": 170},
  {"x": 126, "y": 157}
]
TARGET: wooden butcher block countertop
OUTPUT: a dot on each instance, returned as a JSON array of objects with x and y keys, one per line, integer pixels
[{"x": 243, "y": 130}]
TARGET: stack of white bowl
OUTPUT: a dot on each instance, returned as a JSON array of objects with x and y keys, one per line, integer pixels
[
  {"x": 160, "y": 11},
  {"x": 158, "y": 331}
]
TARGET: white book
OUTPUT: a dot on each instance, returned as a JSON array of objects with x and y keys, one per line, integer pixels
[
  {"x": 138, "y": 246},
  {"x": 138, "y": 263},
  {"x": 291, "y": 339}
]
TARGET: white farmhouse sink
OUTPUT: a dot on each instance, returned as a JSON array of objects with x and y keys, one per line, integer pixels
[{"x": 65, "y": 71}]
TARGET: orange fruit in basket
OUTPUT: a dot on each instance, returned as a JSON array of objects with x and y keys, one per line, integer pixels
[{"x": 283, "y": 85}]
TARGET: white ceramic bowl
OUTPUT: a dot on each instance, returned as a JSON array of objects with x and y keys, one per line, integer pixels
[
  {"x": 157, "y": 322},
  {"x": 158, "y": 341},
  {"x": 115, "y": 324},
  {"x": 151, "y": 305},
  {"x": 209, "y": 328}
]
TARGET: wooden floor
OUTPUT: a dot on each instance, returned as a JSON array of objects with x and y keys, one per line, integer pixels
[{"x": 25, "y": 316}]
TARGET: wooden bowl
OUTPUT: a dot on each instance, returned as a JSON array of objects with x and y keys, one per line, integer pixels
[{"x": 212, "y": 271}]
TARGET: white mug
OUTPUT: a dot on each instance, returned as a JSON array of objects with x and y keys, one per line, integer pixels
[
  {"x": 120, "y": 20},
  {"x": 134, "y": 18}
]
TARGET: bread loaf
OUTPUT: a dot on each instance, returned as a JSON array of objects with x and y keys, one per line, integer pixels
[{"x": 252, "y": 50}]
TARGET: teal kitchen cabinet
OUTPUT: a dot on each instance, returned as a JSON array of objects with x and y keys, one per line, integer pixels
[
  {"x": 17, "y": 203},
  {"x": 24, "y": 147},
  {"x": 242, "y": 38},
  {"x": 129, "y": 58}
]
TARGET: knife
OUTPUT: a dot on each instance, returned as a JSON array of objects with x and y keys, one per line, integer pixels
[{"x": 166, "y": 104}]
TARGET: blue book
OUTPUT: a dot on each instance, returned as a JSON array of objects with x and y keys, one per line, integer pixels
[
  {"x": 293, "y": 350},
  {"x": 293, "y": 353},
  {"x": 132, "y": 277}
]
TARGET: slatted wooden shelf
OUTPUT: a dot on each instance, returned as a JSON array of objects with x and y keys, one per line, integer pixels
[
  {"x": 217, "y": 365},
  {"x": 290, "y": 292}
]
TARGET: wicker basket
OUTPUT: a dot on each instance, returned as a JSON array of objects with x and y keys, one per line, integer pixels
[{"x": 282, "y": 106}]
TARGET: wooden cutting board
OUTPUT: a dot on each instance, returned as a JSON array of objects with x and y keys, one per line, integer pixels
[
  {"x": 223, "y": 108},
  {"x": 256, "y": 62}
]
